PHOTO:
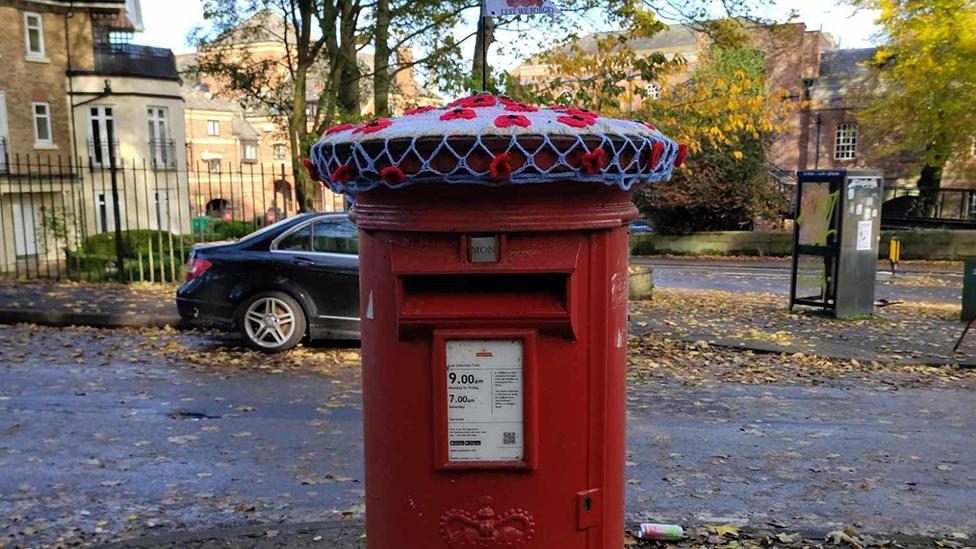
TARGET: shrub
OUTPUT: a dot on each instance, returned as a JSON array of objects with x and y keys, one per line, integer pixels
[{"x": 717, "y": 192}]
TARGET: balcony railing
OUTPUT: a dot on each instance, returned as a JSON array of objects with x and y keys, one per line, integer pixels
[
  {"x": 162, "y": 152},
  {"x": 135, "y": 60},
  {"x": 98, "y": 152}
]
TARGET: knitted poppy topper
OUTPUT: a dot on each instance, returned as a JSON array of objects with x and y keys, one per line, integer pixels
[{"x": 491, "y": 140}]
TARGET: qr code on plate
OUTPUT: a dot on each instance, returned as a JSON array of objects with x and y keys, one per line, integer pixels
[{"x": 508, "y": 438}]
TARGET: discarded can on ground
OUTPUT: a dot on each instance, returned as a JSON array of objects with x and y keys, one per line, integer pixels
[{"x": 662, "y": 532}]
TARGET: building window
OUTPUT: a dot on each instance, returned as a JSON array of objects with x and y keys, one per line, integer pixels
[
  {"x": 101, "y": 126},
  {"x": 213, "y": 165},
  {"x": 161, "y": 148},
  {"x": 213, "y": 127},
  {"x": 279, "y": 152},
  {"x": 250, "y": 152},
  {"x": 653, "y": 91},
  {"x": 42, "y": 124},
  {"x": 845, "y": 145},
  {"x": 34, "y": 35}
]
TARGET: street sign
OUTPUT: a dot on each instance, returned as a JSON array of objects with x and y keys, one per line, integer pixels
[{"x": 502, "y": 8}]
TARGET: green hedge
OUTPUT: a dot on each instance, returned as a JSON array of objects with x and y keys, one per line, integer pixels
[{"x": 94, "y": 258}]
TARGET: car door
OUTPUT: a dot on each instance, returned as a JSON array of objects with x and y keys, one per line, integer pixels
[{"x": 320, "y": 259}]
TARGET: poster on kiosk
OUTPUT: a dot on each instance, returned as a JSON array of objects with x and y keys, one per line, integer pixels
[{"x": 493, "y": 250}]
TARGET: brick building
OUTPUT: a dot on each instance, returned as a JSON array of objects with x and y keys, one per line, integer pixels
[
  {"x": 262, "y": 38},
  {"x": 73, "y": 90},
  {"x": 825, "y": 81}
]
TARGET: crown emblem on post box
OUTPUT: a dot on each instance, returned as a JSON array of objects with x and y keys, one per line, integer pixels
[{"x": 462, "y": 529}]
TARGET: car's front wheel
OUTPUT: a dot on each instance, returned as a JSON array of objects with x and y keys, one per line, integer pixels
[{"x": 272, "y": 322}]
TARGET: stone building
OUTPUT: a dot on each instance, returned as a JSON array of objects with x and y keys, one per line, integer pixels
[{"x": 75, "y": 89}]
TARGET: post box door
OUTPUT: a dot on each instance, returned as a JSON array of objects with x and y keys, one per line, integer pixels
[{"x": 513, "y": 448}]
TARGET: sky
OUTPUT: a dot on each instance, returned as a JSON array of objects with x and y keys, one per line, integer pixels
[{"x": 167, "y": 22}]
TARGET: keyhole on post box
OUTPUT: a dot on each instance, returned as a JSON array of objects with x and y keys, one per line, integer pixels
[{"x": 587, "y": 503}]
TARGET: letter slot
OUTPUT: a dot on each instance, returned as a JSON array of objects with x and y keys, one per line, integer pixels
[{"x": 539, "y": 300}]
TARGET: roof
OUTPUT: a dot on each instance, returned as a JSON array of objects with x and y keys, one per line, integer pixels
[
  {"x": 243, "y": 129},
  {"x": 840, "y": 72},
  {"x": 204, "y": 101},
  {"x": 845, "y": 64},
  {"x": 264, "y": 26},
  {"x": 674, "y": 37}
]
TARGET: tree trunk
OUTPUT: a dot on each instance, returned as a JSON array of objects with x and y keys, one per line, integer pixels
[
  {"x": 349, "y": 75},
  {"x": 297, "y": 135},
  {"x": 484, "y": 39},
  {"x": 381, "y": 60},
  {"x": 928, "y": 188}
]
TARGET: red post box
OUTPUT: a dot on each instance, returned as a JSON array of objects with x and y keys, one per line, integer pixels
[{"x": 493, "y": 261}]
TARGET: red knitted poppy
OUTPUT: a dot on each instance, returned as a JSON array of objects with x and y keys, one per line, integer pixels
[
  {"x": 459, "y": 114},
  {"x": 500, "y": 168},
  {"x": 576, "y": 120},
  {"x": 508, "y": 120},
  {"x": 482, "y": 100},
  {"x": 419, "y": 110},
  {"x": 339, "y": 128},
  {"x": 682, "y": 154},
  {"x": 656, "y": 150},
  {"x": 581, "y": 112},
  {"x": 392, "y": 175},
  {"x": 310, "y": 168},
  {"x": 517, "y": 106},
  {"x": 344, "y": 173},
  {"x": 593, "y": 161},
  {"x": 373, "y": 126}
]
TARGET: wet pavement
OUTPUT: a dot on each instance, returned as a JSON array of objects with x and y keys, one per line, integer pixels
[{"x": 128, "y": 433}]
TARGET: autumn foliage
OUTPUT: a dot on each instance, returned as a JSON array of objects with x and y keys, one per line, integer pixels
[{"x": 721, "y": 108}]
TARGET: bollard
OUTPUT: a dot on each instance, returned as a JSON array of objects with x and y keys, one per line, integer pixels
[{"x": 894, "y": 254}]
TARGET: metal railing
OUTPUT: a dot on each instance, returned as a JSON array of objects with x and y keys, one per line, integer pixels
[
  {"x": 906, "y": 207},
  {"x": 98, "y": 152},
  {"x": 162, "y": 153},
  {"x": 69, "y": 220},
  {"x": 135, "y": 60}
]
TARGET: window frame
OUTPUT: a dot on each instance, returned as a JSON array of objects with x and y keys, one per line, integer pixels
[
  {"x": 211, "y": 163},
  {"x": 213, "y": 128},
  {"x": 161, "y": 149},
  {"x": 335, "y": 221},
  {"x": 653, "y": 95},
  {"x": 38, "y": 142},
  {"x": 310, "y": 226},
  {"x": 279, "y": 147},
  {"x": 32, "y": 55},
  {"x": 845, "y": 141},
  {"x": 252, "y": 147}
]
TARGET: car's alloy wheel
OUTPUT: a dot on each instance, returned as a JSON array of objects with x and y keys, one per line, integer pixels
[{"x": 273, "y": 322}]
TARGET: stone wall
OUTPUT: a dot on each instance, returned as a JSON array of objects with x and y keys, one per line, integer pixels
[{"x": 920, "y": 244}]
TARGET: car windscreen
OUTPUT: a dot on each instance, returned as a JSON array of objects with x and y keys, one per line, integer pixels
[{"x": 270, "y": 228}]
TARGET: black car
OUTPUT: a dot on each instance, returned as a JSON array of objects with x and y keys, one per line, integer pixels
[{"x": 295, "y": 279}]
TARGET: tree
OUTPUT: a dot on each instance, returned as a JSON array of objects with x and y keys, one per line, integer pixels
[
  {"x": 729, "y": 117},
  {"x": 313, "y": 60},
  {"x": 926, "y": 74},
  {"x": 429, "y": 27}
]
